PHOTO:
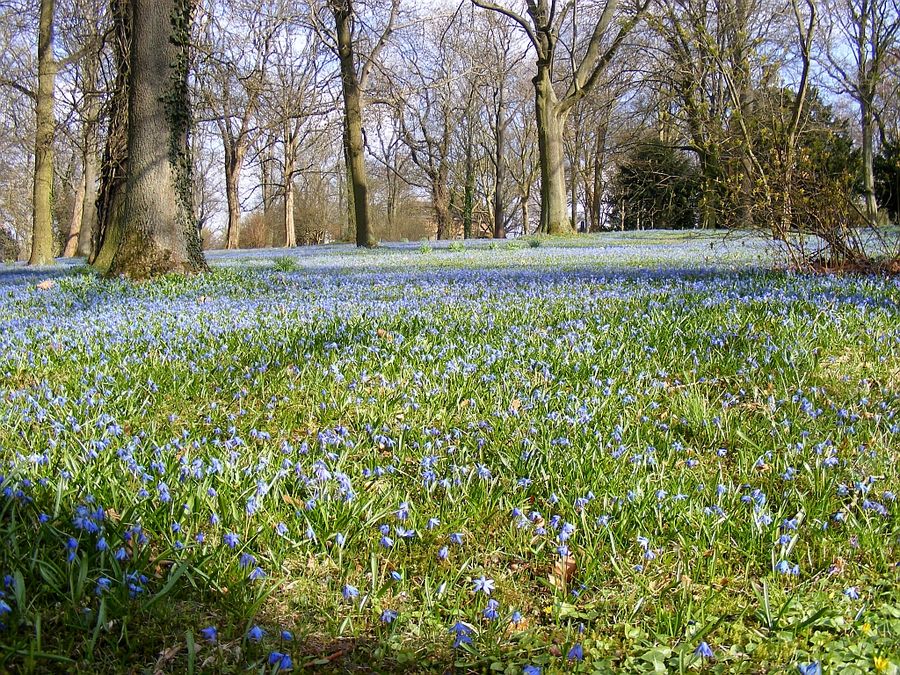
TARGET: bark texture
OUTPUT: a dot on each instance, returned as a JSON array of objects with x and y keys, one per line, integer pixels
[
  {"x": 499, "y": 164},
  {"x": 89, "y": 212},
  {"x": 234, "y": 161},
  {"x": 290, "y": 153},
  {"x": 71, "y": 247},
  {"x": 550, "y": 125},
  {"x": 159, "y": 230},
  {"x": 107, "y": 234},
  {"x": 353, "y": 123},
  {"x": 42, "y": 221}
]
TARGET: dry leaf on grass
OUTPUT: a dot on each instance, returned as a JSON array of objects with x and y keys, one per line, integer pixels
[
  {"x": 46, "y": 284},
  {"x": 166, "y": 656},
  {"x": 563, "y": 571}
]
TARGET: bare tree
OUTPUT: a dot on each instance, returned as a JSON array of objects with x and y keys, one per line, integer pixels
[
  {"x": 238, "y": 39},
  {"x": 428, "y": 98},
  {"x": 297, "y": 93},
  {"x": 356, "y": 67},
  {"x": 861, "y": 35},
  {"x": 543, "y": 26}
]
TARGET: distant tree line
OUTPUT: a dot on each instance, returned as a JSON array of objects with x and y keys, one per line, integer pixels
[{"x": 137, "y": 132}]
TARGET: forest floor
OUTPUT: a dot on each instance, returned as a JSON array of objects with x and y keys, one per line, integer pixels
[{"x": 617, "y": 453}]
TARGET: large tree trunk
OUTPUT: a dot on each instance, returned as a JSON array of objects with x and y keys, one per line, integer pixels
[
  {"x": 42, "y": 222},
  {"x": 346, "y": 189},
  {"x": 554, "y": 216},
  {"x": 159, "y": 230},
  {"x": 71, "y": 247},
  {"x": 107, "y": 233},
  {"x": 353, "y": 123},
  {"x": 290, "y": 149}
]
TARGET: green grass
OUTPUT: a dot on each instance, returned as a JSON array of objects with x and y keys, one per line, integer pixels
[{"x": 611, "y": 390}]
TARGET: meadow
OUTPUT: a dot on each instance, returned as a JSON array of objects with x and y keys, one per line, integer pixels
[{"x": 619, "y": 453}]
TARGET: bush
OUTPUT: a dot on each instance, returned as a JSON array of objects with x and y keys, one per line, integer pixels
[
  {"x": 286, "y": 263},
  {"x": 456, "y": 247},
  {"x": 425, "y": 248},
  {"x": 657, "y": 187},
  {"x": 9, "y": 247}
]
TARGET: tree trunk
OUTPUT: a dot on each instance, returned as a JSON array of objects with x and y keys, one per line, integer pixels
[
  {"x": 525, "y": 217},
  {"x": 107, "y": 233},
  {"x": 441, "y": 200},
  {"x": 89, "y": 159},
  {"x": 597, "y": 187},
  {"x": 42, "y": 222},
  {"x": 234, "y": 159},
  {"x": 290, "y": 148},
  {"x": 573, "y": 181},
  {"x": 89, "y": 206},
  {"x": 71, "y": 247},
  {"x": 392, "y": 190},
  {"x": 265, "y": 180},
  {"x": 709, "y": 209},
  {"x": 868, "y": 161},
  {"x": 353, "y": 123},
  {"x": 159, "y": 229},
  {"x": 346, "y": 189},
  {"x": 710, "y": 197},
  {"x": 499, "y": 166},
  {"x": 469, "y": 194},
  {"x": 554, "y": 218}
]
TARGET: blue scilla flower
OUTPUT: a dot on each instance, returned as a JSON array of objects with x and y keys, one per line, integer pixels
[
  {"x": 704, "y": 651},
  {"x": 210, "y": 634},
  {"x": 462, "y": 634},
  {"x": 71, "y": 548},
  {"x": 852, "y": 592},
  {"x": 280, "y": 661},
  {"x": 483, "y": 585}
]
